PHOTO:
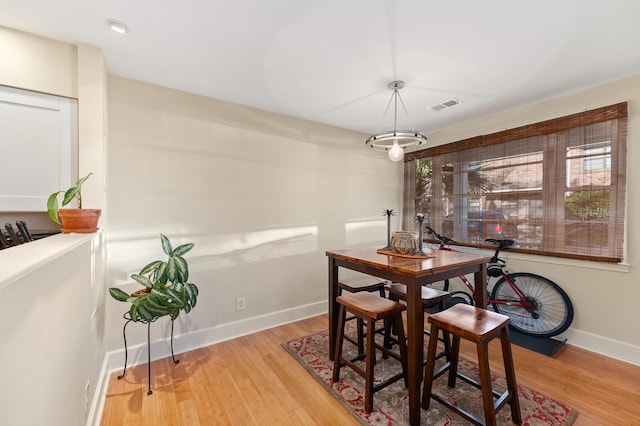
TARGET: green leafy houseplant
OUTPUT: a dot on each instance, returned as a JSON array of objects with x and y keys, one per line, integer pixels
[
  {"x": 73, "y": 193},
  {"x": 73, "y": 220},
  {"x": 166, "y": 290}
]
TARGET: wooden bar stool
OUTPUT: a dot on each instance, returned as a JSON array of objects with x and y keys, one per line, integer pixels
[
  {"x": 430, "y": 298},
  {"x": 361, "y": 283},
  {"x": 356, "y": 285},
  {"x": 479, "y": 326},
  {"x": 370, "y": 308}
]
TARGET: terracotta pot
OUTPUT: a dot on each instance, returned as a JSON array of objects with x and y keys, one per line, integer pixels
[
  {"x": 83, "y": 221},
  {"x": 141, "y": 292}
]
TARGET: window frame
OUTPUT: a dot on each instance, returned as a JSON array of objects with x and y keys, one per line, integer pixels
[{"x": 554, "y": 136}]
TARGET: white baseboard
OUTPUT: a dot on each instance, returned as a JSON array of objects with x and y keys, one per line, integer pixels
[
  {"x": 603, "y": 345},
  {"x": 99, "y": 395},
  {"x": 137, "y": 354}
]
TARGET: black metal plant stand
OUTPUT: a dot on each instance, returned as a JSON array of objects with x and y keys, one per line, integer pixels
[{"x": 124, "y": 335}]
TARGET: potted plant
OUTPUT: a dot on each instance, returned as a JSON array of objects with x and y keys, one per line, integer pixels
[
  {"x": 73, "y": 220},
  {"x": 165, "y": 288}
]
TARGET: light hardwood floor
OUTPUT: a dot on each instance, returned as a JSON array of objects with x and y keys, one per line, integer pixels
[{"x": 253, "y": 381}]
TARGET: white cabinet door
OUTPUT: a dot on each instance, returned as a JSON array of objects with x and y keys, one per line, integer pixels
[{"x": 38, "y": 148}]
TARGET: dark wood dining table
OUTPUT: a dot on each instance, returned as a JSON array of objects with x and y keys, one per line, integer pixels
[{"x": 414, "y": 273}]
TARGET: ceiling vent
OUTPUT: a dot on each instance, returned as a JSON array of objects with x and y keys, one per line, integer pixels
[{"x": 446, "y": 104}]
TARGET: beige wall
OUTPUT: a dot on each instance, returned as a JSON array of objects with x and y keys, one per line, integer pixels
[
  {"x": 39, "y": 64},
  {"x": 607, "y": 319},
  {"x": 92, "y": 127},
  {"x": 262, "y": 196}
]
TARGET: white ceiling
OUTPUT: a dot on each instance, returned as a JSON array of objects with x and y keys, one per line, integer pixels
[{"x": 330, "y": 60}]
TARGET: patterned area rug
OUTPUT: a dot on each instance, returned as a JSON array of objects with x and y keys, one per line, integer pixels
[{"x": 391, "y": 405}]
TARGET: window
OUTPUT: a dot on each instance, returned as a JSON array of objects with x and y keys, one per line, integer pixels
[
  {"x": 597, "y": 158},
  {"x": 556, "y": 187}
]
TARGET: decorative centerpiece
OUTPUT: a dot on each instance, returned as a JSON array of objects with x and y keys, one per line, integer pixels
[
  {"x": 388, "y": 213},
  {"x": 404, "y": 242},
  {"x": 420, "y": 220}
]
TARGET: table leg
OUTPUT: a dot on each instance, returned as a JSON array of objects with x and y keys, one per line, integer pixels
[
  {"x": 480, "y": 284},
  {"x": 415, "y": 349},
  {"x": 333, "y": 305}
]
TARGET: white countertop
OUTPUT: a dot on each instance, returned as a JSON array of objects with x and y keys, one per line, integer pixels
[{"x": 18, "y": 261}]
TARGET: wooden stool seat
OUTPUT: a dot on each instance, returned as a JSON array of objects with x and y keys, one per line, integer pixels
[
  {"x": 479, "y": 326},
  {"x": 370, "y": 307},
  {"x": 361, "y": 283},
  {"x": 430, "y": 296},
  {"x": 356, "y": 285}
]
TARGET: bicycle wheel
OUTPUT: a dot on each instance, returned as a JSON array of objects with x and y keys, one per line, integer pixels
[{"x": 552, "y": 311}]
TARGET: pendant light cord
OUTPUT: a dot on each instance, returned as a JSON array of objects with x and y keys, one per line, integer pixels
[{"x": 394, "y": 97}]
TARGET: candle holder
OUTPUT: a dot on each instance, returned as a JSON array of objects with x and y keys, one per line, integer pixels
[
  {"x": 388, "y": 213},
  {"x": 420, "y": 220}
]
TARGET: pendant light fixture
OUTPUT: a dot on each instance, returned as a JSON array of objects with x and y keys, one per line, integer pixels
[{"x": 396, "y": 141}]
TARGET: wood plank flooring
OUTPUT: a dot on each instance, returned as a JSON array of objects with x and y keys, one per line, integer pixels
[{"x": 253, "y": 381}]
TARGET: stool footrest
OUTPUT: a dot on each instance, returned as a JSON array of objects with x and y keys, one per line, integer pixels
[
  {"x": 351, "y": 340},
  {"x": 351, "y": 361},
  {"x": 477, "y": 385},
  {"x": 386, "y": 351},
  {"x": 503, "y": 398},
  {"x": 351, "y": 364},
  {"x": 354, "y": 341},
  {"x": 391, "y": 380},
  {"x": 464, "y": 413},
  {"x": 442, "y": 370}
]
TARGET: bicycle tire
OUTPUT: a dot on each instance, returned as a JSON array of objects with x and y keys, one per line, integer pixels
[
  {"x": 553, "y": 305},
  {"x": 456, "y": 297}
]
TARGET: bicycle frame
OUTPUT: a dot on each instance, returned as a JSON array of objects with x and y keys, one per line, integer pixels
[{"x": 522, "y": 300}]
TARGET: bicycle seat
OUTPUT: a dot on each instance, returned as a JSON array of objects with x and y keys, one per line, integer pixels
[{"x": 501, "y": 243}]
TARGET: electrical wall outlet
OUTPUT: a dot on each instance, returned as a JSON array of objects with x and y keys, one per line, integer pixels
[{"x": 240, "y": 304}]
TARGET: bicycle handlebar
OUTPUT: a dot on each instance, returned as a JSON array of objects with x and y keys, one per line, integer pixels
[
  {"x": 442, "y": 238},
  {"x": 500, "y": 243}
]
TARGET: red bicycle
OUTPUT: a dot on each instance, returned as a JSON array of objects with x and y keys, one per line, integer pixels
[{"x": 536, "y": 305}]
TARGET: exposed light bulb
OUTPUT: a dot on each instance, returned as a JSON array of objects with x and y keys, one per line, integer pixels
[{"x": 396, "y": 153}]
